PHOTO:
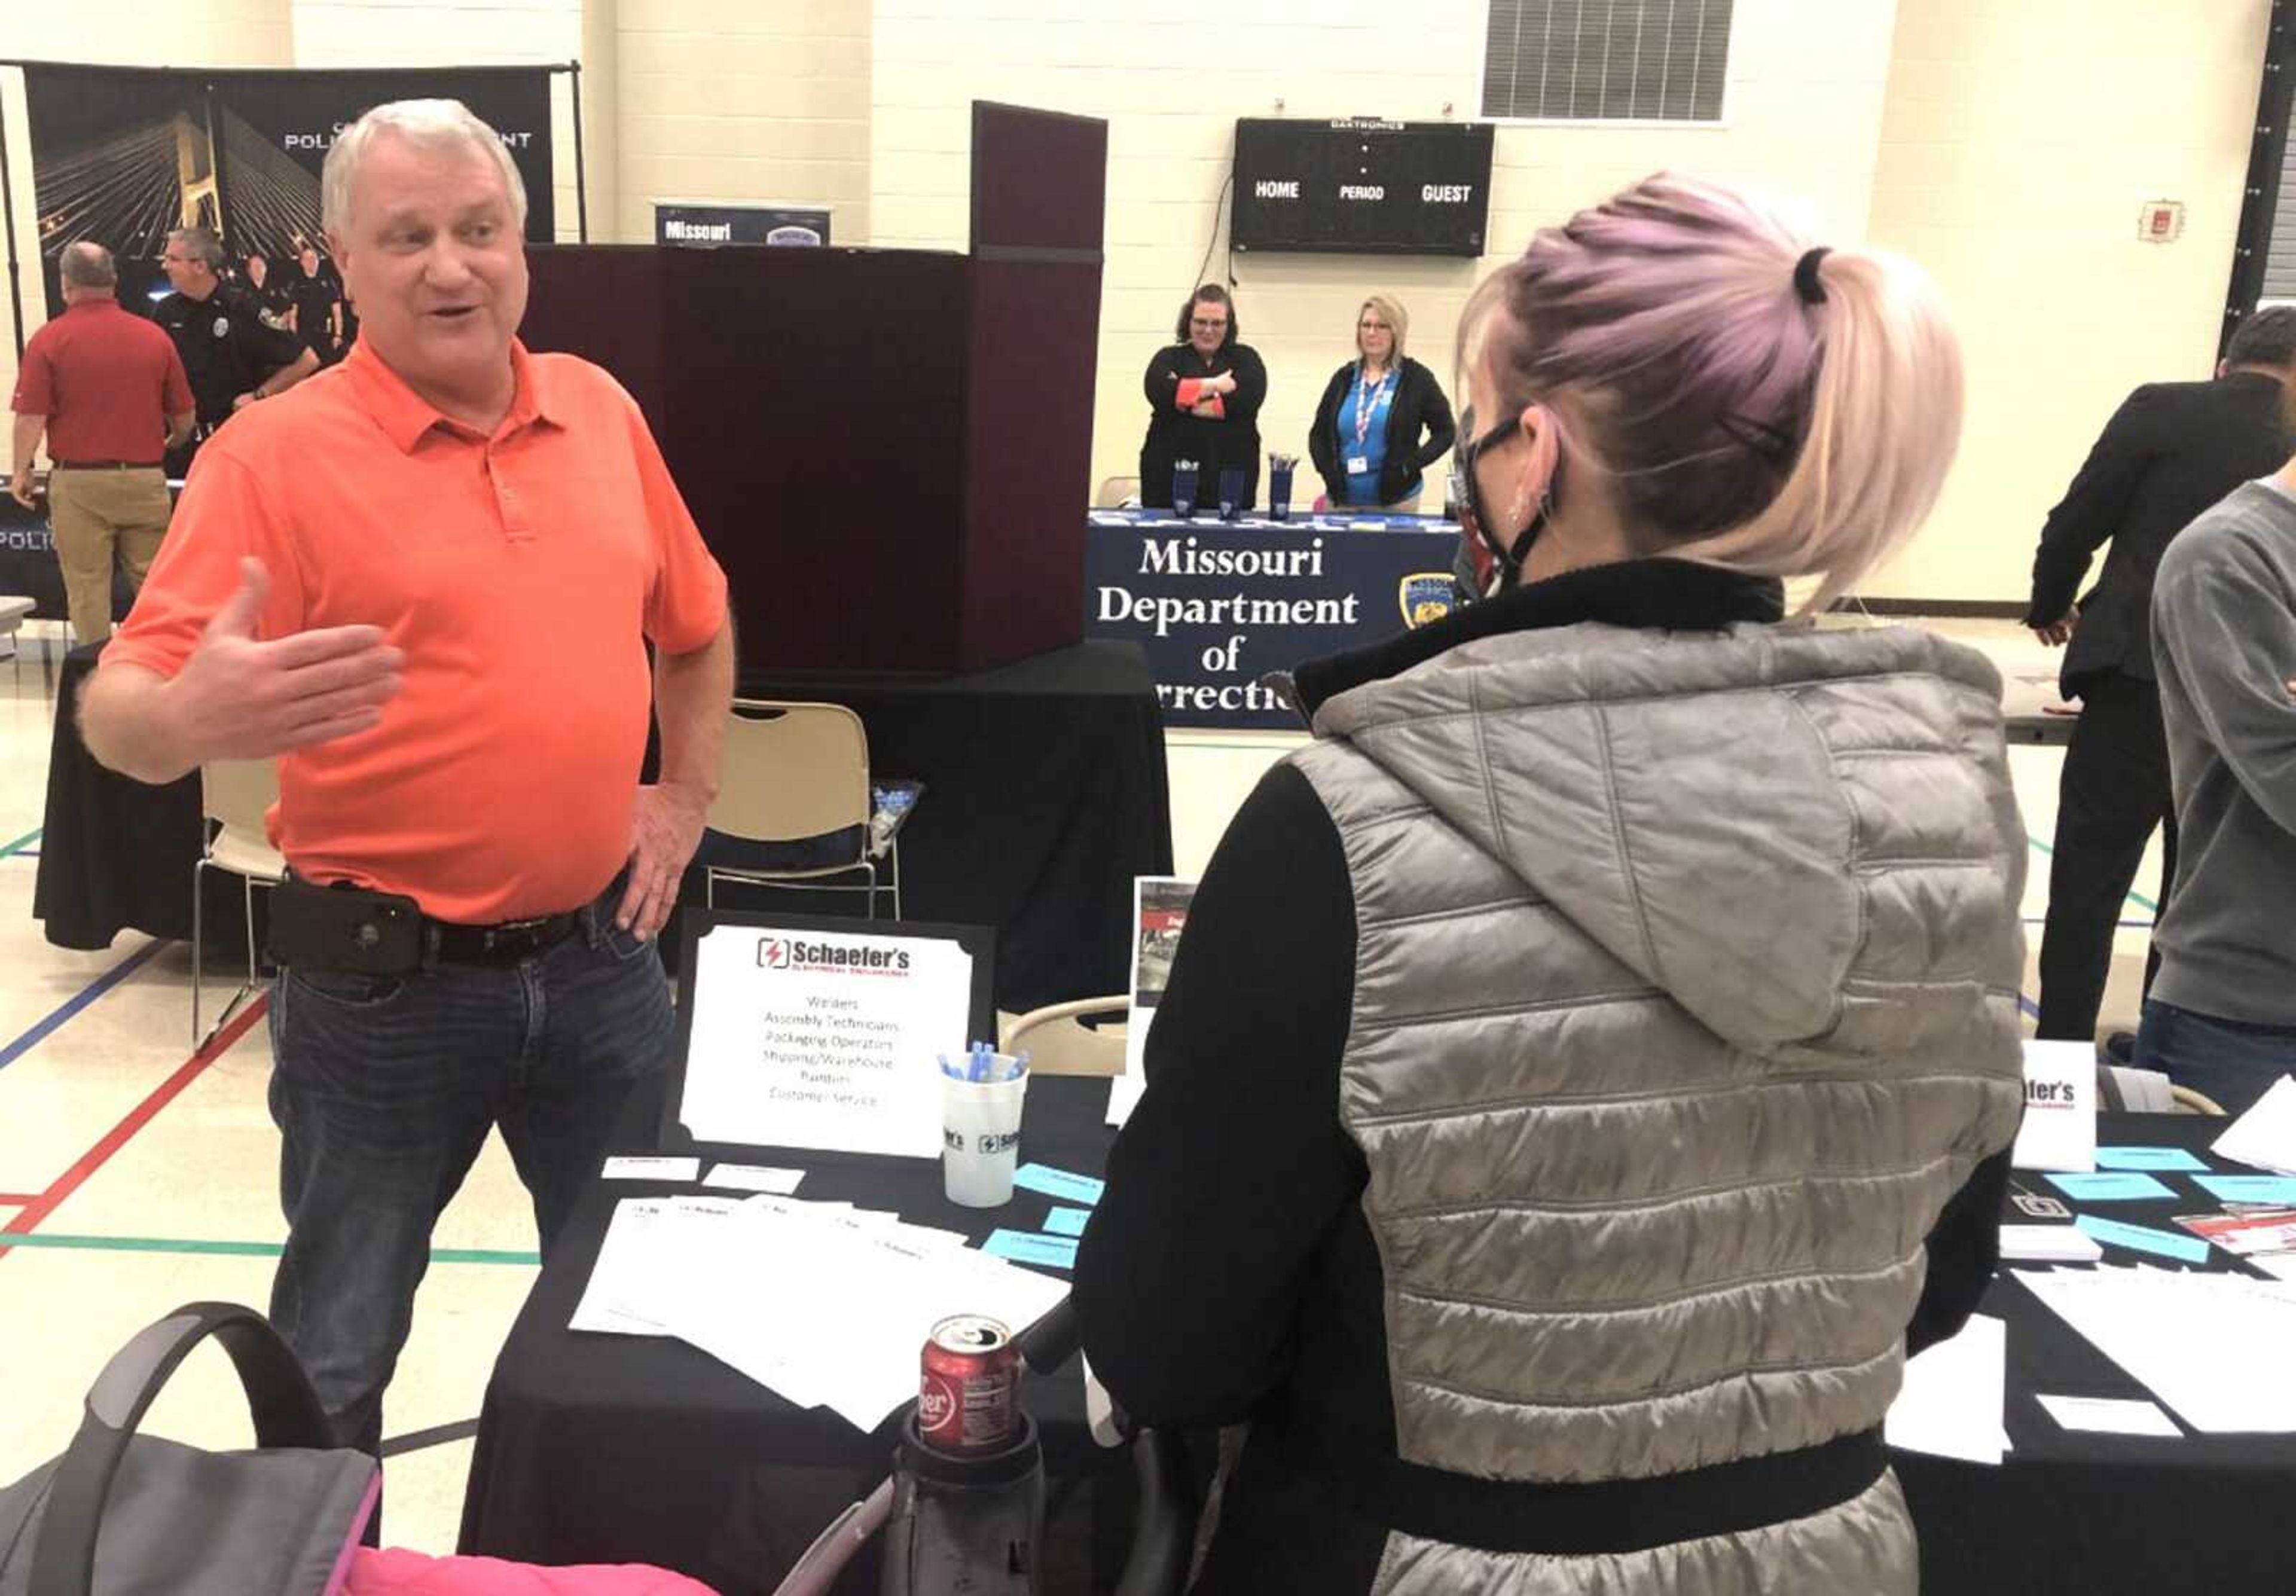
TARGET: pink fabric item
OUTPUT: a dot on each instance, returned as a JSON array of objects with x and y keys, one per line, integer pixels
[{"x": 398, "y": 1573}]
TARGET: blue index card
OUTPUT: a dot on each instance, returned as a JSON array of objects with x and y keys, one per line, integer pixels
[
  {"x": 1069, "y": 1188},
  {"x": 2250, "y": 1188},
  {"x": 2127, "y": 1188},
  {"x": 2189, "y": 1249},
  {"x": 1066, "y": 1221},
  {"x": 2164, "y": 1158},
  {"x": 1047, "y": 1252}
]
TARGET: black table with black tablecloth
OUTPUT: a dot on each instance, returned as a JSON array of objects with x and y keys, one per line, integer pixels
[
  {"x": 116, "y": 854},
  {"x": 2105, "y": 1515},
  {"x": 1045, "y": 795},
  {"x": 601, "y": 1447},
  {"x": 597, "y": 1448}
]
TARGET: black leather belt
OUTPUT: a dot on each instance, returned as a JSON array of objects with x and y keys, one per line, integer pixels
[
  {"x": 509, "y": 942},
  {"x": 103, "y": 465}
]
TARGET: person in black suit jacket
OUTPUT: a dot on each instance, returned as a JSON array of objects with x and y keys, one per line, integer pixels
[
  {"x": 2172, "y": 450},
  {"x": 1383, "y": 420}
]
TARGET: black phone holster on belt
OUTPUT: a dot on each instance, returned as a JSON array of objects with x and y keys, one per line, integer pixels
[{"x": 344, "y": 930}]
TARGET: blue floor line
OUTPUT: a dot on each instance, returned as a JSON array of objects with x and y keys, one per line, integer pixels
[
  {"x": 2032, "y": 1009},
  {"x": 23, "y": 843},
  {"x": 88, "y": 994}
]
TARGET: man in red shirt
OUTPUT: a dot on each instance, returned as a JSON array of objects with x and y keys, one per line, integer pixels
[
  {"x": 442, "y": 635},
  {"x": 110, "y": 391}
]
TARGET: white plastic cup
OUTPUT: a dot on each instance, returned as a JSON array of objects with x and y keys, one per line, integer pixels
[{"x": 980, "y": 1137}]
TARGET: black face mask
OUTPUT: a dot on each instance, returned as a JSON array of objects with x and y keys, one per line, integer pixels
[{"x": 1483, "y": 568}]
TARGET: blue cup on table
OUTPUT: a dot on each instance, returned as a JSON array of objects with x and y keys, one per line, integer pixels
[
  {"x": 1184, "y": 488},
  {"x": 1279, "y": 485},
  {"x": 1230, "y": 499}
]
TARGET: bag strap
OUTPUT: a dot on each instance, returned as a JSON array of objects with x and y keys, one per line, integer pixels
[{"x": 279, "y": 1397}]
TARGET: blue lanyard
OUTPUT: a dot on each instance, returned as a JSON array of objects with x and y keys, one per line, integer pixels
[{"x": 1367, "y": 400}]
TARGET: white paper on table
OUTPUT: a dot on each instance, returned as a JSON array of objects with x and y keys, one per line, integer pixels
[
  {"x": 754, "y": 1177},
  {"x": 2049, "y": 1243},
  {"x": 1124, "y": 1093},
  {"x": 2265, "y": 1136},
  {"x": 2060, "y": 1127},
  {"x": 652, "y": 1245},
  {"x": 2110, "y": 1416},
  {"x": 2212, "y": 1347},
  {"x": 650, "y": 1168},
  {"x": 874, "y": 1287},
  {"x": 792, "y": 1049},
  {"x": 1952, "y": 1399},
  {"x": 2280, "y": 1266}
]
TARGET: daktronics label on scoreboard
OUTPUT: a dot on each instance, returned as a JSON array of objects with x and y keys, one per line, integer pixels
[{"x": 1362, "y": 187}]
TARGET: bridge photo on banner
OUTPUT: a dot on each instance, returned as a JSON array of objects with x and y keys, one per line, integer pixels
[{"x": 121, "y": 156}]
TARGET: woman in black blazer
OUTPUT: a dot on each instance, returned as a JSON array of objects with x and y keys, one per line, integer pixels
[
  {"x": 1204, "y": 392},
  {"x": 1384, "y": 419}
]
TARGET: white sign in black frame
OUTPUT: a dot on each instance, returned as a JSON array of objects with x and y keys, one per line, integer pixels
[{"x": 979, "y": 941}]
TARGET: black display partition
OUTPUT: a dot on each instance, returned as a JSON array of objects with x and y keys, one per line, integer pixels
[
  {"x": 979, "y": 941},
  {"x": 890, "y": 451}
]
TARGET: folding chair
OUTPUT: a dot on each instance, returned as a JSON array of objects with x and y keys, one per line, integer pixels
[
  {"x": 236, "y": 795},
  {"x": 796, "y": 784}
]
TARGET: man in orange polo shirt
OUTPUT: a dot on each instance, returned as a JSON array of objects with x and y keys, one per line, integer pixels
[
  {"x": 444, "y": 633},
  {"x": 110, "y": 392}
]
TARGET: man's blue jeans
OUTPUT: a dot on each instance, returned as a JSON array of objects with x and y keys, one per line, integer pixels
[
  {"x": 2230, "y": 1060},
  {"x": 384, "y": 1090}
]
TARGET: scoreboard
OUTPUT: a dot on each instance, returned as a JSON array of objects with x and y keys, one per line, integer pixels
[{"x": 1361, "y": 186}]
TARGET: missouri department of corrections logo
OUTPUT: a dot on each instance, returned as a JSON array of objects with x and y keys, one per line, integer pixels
[{"x": 1426, "y": 598}]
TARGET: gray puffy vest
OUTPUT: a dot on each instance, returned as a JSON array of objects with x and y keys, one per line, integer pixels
[{"x": 1685, "y": 994}]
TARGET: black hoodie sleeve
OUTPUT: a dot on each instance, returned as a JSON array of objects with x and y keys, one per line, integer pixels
[
  {"x": 1442, "y": 430},
  {"x": 1234, "y": 1167},
  {"x": 1323, "y": 436},
  {"x": 1965, "y": 1249}
]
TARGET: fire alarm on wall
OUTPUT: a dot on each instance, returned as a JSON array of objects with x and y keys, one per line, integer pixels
[{"x": 2161, "y": 221}]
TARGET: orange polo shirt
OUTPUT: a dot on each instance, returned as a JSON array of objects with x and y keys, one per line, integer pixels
[{"x": 519, "y": 573}]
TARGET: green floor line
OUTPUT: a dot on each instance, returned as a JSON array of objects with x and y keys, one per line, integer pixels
[
  {"x": 26, "y": 841},
  {"x": 2138, "y": 899},
  {"x": 236, "y": 1249}
]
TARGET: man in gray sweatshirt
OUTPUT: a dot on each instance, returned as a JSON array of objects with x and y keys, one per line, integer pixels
[{"x": 2222, "y": 1015}]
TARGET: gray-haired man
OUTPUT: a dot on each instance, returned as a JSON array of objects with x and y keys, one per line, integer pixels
[
  {"x": 109, "y": 393},
  {"x": 231, "y": 355}
]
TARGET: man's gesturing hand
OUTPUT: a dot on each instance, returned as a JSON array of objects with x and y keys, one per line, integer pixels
[
  {"x": 237, "y": 697},
  {"x": 665, "y": 829}
]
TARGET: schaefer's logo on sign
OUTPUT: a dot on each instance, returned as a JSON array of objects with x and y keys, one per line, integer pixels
[
  {"x": 1426, "y": 597},
  {"x": 795, "y": 953}
]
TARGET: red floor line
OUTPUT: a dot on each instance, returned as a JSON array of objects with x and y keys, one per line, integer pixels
[
  {"x": 28, "y": 1219},
  {"x": 14, "y": 1199}
]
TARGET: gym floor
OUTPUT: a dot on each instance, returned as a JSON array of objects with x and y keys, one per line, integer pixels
[{"x": 137, "y": 1174}]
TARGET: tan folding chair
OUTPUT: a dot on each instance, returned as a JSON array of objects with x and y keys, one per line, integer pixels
[
  {"x": 236, "y": 795},
  {"x": 1059, "y": 1042},
  {"x": 1117, "y": 493},
  {"x": 793, "y": 773},
  {"x": 2190, "y": 1101}
]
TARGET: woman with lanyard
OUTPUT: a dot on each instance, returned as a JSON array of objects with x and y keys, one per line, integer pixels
[{"x": 1383, "y": 420}]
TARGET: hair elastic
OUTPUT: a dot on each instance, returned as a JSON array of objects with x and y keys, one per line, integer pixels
[{"x": 1804, "y": 278}]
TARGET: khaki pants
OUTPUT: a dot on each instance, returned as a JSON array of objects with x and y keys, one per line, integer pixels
[{"x": 100, "y": 516}]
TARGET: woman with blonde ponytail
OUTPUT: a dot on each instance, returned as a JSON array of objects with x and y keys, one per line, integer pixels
[{"x": 1590, "y": 1065}]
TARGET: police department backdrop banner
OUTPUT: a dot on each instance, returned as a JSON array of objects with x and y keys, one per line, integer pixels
[{"x": 123, "y": 155}]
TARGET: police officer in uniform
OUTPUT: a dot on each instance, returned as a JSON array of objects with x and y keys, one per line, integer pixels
[
  {"x": 316, "y": 296},
  {"x": 267, "y": 288},
  {"x": 230, "y": 354}
]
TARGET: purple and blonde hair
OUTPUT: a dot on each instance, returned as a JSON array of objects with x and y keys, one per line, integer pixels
[{"x": 1732, "y": 420}]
